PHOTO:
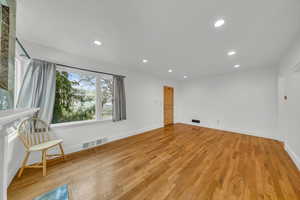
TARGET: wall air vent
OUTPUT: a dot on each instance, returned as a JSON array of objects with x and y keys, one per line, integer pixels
[
  {"x": 94, "y": 143},
  {"x": 196, "y": 121}
]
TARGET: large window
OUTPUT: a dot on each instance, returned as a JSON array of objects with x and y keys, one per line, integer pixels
[{"x": 82, "y": 96}]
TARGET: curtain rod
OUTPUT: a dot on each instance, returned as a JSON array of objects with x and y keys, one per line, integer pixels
[
  {"x": 22, "y": 47},
  {"x": 67, "y": 66}
]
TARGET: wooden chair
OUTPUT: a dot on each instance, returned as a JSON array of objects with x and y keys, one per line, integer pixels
[{"x": 34, "y": 134}]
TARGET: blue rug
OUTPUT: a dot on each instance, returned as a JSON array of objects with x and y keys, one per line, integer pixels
[{"x": 60, "y": 193}]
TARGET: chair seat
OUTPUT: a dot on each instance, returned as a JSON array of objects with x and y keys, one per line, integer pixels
[{"x": 45, "y": 145}]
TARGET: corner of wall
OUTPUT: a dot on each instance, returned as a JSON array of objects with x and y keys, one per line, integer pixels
[{"x": 293, "y": 155}]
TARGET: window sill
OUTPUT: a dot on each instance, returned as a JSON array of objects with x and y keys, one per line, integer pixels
[{"x": 79, "y": 123}]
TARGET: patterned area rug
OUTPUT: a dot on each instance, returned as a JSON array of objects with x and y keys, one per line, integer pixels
[{"x": 60, "y": 193}]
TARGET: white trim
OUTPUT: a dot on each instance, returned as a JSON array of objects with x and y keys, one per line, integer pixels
[
  {"x": 244, "y": 132},
  {"x": 8, "y": 116},
  {"x": 293, "y": 155},
  {"x": 79, "y": 123},
  {"x": 78, "y": 147},
  {"x": 3, "y": 165}
]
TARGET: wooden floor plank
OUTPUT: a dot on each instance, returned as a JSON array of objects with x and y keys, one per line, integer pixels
[{"x": 176, "y": 162}]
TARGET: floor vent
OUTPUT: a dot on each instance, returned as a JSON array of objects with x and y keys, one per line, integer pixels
[
  {"x": 94, "y": 143},
  {"x": 196, "y": 121}
]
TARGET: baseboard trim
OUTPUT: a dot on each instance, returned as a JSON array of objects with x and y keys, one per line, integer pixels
[
  {"x": 244, "y": 132},
  {"x": 78, "y": 147},
  {"x": 293, "y": 155}
]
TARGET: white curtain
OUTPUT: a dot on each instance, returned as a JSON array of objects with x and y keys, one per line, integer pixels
[
  {"x": 21, "y": 64},
  {"x": 38, "y": 88}
]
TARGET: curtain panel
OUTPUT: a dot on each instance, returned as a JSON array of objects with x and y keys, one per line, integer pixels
[
  {"x": 119, "y": 99},
  {"x": 38, "y": 88}
]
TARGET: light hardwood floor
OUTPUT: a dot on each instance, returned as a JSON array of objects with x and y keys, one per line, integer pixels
[{"x": 177, "y": 162}]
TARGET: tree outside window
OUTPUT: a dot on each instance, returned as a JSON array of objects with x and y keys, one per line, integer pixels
[{"x": 77, "y": 95}]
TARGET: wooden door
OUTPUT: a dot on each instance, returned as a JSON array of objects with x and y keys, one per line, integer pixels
[{"x": 168, "y": 105}]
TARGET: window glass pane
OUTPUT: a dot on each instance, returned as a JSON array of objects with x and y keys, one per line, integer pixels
[
  {"x": 75, "y": 97},
  {"x": 106, "y": 86}
]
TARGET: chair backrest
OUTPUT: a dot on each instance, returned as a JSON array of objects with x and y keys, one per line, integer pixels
[{"x": 33, "y": 131}]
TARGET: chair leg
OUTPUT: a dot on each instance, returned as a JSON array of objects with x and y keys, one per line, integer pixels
[
  {"x": 44, "y": 162},
  {"x": 62, "y": 151},
  {"x": 23, "y": 164}
]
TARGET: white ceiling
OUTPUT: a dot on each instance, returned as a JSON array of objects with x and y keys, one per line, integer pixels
[{"x": 177, "y": 34}]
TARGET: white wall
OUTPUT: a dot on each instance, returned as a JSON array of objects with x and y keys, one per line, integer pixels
[
  {"x": 243, "y": 101},
  {"x": 144, "y": 94},
  {"x": 289, "y": 110}
]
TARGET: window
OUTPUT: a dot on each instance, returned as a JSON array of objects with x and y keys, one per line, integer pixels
[
  {"x": 82, "y": 96},
  {"x": 106, "y": 87}
]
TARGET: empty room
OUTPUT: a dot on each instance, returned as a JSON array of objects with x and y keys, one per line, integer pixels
[{"x": 149, "y": 99}]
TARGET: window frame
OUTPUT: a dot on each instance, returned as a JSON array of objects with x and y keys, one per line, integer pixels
[{"x": 98, "y": 106}]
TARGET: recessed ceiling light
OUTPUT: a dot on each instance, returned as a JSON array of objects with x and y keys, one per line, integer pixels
[
  {"x": 185, "y": 76},
  {"x": 231, "y": 53},
  {"x": 219, "y": 23},
  {"x": 145, "y": 61},
  {"x": 96, "y": 42},
  {"x": 237, "y": 66},
  {"x": 170, "y": 70}
]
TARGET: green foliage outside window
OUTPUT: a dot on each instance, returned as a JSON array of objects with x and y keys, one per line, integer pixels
[
  {"x": 75, "y": 98},
  {"x": 71, "y": 101},
  {"x": 106, "y": 86}
]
